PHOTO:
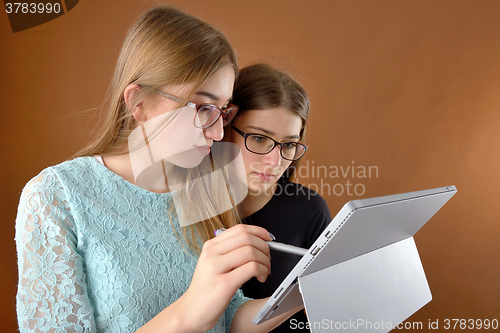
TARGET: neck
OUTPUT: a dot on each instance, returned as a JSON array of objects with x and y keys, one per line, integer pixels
[
  {"x": 120, "y": 164},
  {"x": 256, "y": 200}
]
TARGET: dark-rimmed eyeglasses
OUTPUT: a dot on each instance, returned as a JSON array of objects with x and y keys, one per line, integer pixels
[
  {"x": 262, "y": 144},
  {"x": 206, "y": 114}
]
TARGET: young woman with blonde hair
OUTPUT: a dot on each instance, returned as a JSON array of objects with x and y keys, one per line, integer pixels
[{"x": 97, "y": 252}]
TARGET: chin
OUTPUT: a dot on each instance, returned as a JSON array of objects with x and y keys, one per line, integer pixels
[
  {"x": 256, "y": 187},
  {"x": 188, "y": 159}
]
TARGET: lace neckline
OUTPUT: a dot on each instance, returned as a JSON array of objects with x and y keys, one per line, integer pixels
[{"x": 99, "y": 165}]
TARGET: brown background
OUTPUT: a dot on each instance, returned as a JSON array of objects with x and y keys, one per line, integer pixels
[{"x": 411, "y": 87}]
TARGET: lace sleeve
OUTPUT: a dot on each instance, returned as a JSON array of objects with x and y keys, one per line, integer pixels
[
  {"x": 237, "y": 300},
  {"x": 52, "y": 295}
]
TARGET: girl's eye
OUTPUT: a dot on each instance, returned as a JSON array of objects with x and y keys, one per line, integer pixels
[
  {"x": 289, "y": 145},
  {"x": 259, "y": 139},
  {"x": 203, "y": 111}
]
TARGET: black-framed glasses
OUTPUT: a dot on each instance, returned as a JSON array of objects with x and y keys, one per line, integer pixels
[
  {"x": 262, "y": 144},
  {"x": 206, "y": 114}
]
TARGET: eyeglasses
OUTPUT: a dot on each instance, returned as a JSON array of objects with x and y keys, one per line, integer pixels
[
  {"x": 262, "y": 144},
  {"x": 207, "y": 114}
]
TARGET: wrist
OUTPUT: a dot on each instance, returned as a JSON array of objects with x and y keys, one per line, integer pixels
[
  {"x": 175, "y": 318},
  {"x": 189, "y": 318}
]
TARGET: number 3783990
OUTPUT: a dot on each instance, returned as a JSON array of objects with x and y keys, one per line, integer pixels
[
  {"x": 470, "y": 324},
  {"x": 32, "y": 8}
]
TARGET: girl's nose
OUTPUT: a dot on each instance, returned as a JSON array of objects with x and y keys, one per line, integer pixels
[
  {"x": 273, "y": 158},
  {"x": 215, "y": 132}
]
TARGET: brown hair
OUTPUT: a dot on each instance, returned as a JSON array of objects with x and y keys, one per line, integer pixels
[
  {"x": 260, "y": 86},
  {"x": 164, "y": 46}
]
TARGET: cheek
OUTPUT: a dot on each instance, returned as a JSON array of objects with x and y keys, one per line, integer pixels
[
  {"x": 252, "y": 161},
  {"x": 285, "y": 166},
  {"x": 248, "y": 157}
]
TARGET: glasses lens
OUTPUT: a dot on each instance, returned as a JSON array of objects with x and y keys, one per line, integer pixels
[
  {"x": 292, "y": 150},
  {"x": 206, "y": 115},
  {"x": 229, "y": 113},
  {"x": 259, "y": 144}
]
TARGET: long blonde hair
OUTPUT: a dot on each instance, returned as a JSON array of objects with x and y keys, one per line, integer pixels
[{"x": 164, "y": 46}]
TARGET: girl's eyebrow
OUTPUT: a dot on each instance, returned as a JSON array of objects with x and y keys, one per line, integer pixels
[
  {"x": 213, "y": 97},
  {"x": 268, "y": 132},
  {"x": 207, "y": 94}
]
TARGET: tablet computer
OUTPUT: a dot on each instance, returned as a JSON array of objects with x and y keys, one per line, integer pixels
[{"x": 360, "y": 227}]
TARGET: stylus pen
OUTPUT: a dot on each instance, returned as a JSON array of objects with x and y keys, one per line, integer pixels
[{"x": 277, "y": 246}]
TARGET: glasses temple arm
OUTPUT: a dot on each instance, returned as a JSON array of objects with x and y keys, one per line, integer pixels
[{"x": 172, "y": 97}]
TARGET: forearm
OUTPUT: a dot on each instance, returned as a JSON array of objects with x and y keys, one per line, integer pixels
[
  {"x": 171, "y": 319},
  {"x": 178, "y": 317},
  {"x": 242, "y": 321},
  {"x": 225, "y": 263}
]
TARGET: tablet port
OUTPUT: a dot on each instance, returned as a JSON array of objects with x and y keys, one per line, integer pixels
[
  {"x": 279, "y": 292},
  {"x": 315, "y": 250}
]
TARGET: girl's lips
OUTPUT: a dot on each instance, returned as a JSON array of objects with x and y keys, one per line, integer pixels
[
  {"x": 264, "y": 176},
  {"x": 205, "y": 150}
]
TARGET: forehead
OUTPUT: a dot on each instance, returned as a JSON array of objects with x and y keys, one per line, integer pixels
[
  {"x": 273, "y": 121},
  {"x": 218, "y": 86}
]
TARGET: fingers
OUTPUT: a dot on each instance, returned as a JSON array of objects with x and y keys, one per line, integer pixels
[
  {"x": 244, "y": 255},
  {"x": 243, "y": 229},
  {"x": 243, "y": 273},
  {"x": 235, "y": 240},
  {"x": 242, "y": 248},
  {"x": 225, "y": 263}
]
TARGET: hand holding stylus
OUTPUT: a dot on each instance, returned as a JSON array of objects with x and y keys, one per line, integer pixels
[
  {"x": 225, "y": 263},
  {"x": 277, "y": 246}
]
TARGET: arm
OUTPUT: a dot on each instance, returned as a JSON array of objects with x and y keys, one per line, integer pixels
[
  {"x": 222, "y": 262},
  {"x": 51, "y": 292},
  {"x": 242, "y": 321},
  {"x": 225, "y": 263}
]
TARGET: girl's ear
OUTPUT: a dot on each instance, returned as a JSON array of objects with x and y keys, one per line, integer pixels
[{"x": 129, "y": 95}]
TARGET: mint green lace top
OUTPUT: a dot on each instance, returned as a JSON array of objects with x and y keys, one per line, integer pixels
[{"x": 97, "y": 253}]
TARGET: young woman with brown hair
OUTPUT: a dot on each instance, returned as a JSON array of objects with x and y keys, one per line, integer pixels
[
  {"x": 97, "y": 252},
  {"x": 269, "y": 129}
]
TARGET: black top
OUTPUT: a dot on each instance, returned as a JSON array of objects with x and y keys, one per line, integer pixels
[{"x": 295, "y": 215}]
